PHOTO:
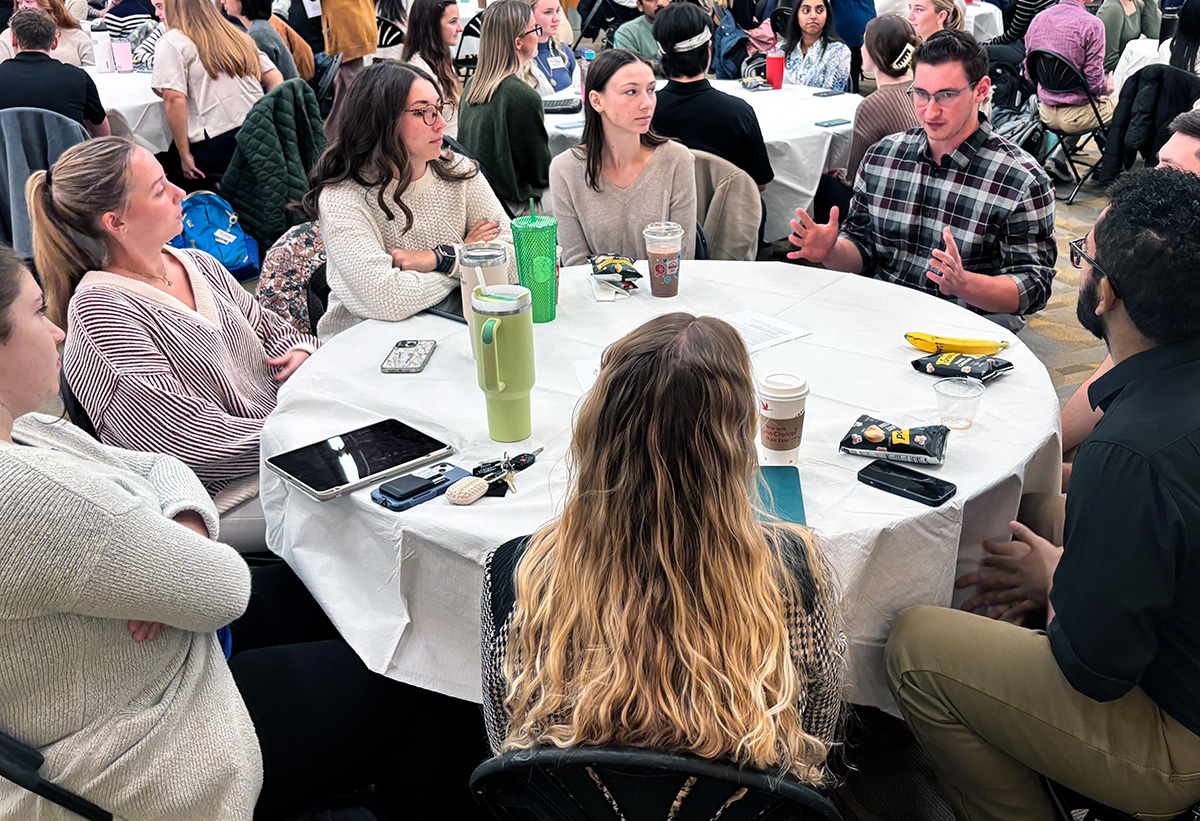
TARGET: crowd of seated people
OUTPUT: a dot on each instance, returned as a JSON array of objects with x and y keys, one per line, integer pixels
[
  {"x": 73, "y": 45},
  {"x": 122, "y": 556}
]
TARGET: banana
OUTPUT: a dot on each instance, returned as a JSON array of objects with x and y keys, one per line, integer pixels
[{"x": 943, "y": 344}]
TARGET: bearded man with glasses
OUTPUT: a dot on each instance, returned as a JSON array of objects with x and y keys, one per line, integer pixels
[{"x": 949, "y": 208}]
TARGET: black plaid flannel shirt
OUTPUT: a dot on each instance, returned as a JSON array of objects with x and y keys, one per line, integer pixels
[{"x": 997, "y": 201}]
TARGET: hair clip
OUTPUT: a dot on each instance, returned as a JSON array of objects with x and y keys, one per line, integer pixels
[{"x": 904, "y": 58}]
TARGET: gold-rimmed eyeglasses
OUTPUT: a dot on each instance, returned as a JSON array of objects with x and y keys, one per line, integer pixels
[{"x": 429, "y": 113}]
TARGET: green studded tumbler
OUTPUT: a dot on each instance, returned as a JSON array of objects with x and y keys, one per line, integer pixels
[{"x": 536, "y": 241}]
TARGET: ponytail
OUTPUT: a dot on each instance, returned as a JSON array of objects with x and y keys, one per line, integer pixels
[{"x": 65, "y": 205}]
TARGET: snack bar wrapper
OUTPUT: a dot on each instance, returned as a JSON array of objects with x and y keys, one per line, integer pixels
[
  {"x": 615, "y": 269},
  {"x": 881, "y": 440},
  {"x": 983, "y": 368}
]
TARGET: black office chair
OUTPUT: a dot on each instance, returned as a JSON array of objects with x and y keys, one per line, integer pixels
[
  {"x": 593, "y": 783},
  {"x": 1056, "y": 74},
  {"x": 322, "y": 85},
  {"x": 318, "y": 296},
  {"x": 74, "y": 408},
  {"x": 465, "y": 66},
  {"x": 1066, "y": 801},
  {"x": 19, "y": 763}
]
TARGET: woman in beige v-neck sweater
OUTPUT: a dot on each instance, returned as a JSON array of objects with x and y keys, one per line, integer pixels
[{"x": 623, "y": 176}]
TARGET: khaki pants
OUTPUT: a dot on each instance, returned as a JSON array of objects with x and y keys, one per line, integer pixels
[
  {"x": 1076, "y": 118},
  {"x": 988, "y": 703}
]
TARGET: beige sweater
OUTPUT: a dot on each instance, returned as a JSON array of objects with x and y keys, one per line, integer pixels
[
  {"x": 74, "y": 47},
  {"x": 359, "y": 236},
  {"x": 610, "y": 221},
  {"x": 149, "y": 730}
]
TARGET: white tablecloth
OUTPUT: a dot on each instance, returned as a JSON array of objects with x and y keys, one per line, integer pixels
[
  {"x": 404, "y": 588},
  {"x": 134, "y": 110},
  {"x": 800, "y": 151},
  {"x": 983, "y": 20},
  {"x": 1137, "y": 55}
]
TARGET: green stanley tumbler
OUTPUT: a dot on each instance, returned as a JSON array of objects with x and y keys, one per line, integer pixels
[
  {"x": 504, "y": 329},
  {"x": 535, "y": 239}
]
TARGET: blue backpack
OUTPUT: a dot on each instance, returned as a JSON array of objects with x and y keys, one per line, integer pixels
[{"x": 210, "y": 225}]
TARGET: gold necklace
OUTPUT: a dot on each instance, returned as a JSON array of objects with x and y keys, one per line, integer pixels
[{"x": 140, "y": 274}]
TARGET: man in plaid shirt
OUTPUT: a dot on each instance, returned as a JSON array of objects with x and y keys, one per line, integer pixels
[{"x": 951, "y": 209}]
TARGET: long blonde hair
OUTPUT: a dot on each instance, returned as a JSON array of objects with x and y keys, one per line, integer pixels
[
  {"x": 654, "y": 611},
  {"x": 503, "y": 23},
  {"x": 65, "y": 206},
  {"x": 222, "y": 48}
]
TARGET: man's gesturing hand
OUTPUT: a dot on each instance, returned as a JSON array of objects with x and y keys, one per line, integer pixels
[{"x": 814, "y": 241}]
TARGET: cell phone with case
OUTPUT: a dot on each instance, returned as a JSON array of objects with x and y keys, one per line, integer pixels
[
  {"x": 408, "y": 356},
  {"x": 829, "y": 93},
  {"x": 832, "y": 123},
  {"x": 906, "y": 482},
  {"x": 412, "y": 489}
]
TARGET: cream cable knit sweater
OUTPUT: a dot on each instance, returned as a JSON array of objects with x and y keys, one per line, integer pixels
[
  {"x": 359, "y": 236},
  {"x": 149, "y": 730}
]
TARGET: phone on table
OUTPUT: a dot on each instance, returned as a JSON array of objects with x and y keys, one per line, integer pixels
[
  {"x": 419, "y": 486},
  {"x": 906, "y": 482},
  {"x": 408, "y": 356},
  {"x": 829, "y": 93},
  {"x": 832, "y": 123}
]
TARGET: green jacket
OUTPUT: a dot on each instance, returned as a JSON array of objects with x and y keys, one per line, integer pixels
[
  {"x": 277, "y": 146},
  {"x": 507, "y": 135}
]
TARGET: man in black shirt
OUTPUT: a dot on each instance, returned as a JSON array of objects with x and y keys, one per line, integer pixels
[
  {"x": 1107, "y": 701},
  {"x": 34, "y": 79},
  {"x": 690, "y": 109}
]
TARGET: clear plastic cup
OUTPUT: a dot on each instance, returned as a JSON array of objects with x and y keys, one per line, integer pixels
[
  {"x": 664, "y": 247},
  {"x": 958, "y": 399}
]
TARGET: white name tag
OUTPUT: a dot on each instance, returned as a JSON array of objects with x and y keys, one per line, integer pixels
[
  {"x": 554, "y": 63},
  {"x": 312, "y": 8},
  {"x": 223, "y": 237}
]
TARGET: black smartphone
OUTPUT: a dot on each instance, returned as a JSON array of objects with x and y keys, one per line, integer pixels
[
  {"x": 830, "y": 93},
  {"x": 906, "y": 482}
]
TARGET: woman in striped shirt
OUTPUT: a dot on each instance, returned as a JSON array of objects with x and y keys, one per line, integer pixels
[{"x": 165, "y": 351}]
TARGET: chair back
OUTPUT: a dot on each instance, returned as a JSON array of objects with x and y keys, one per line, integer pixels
[
  {"x": 594, "y": 783},
  {"x": 286, "y": 270},
  {"x": 322, "y": 84},
  {"x": 728, "y": 207},
  {"x": 317, "y": 294},
  {"x": 1054, "y": 73},
  {"x": 31, "y": 139},
  {"x": 74, "y": 408},
  {"x": 465, "y": 66}
]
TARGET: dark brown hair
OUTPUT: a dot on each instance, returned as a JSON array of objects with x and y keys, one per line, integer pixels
[
  {"x": 424, "y": 39},
  {"x": 591, "y": 148},
  {"x": 891, "y": 42},
  {"x": 11, "y": 268},
  {"x": 367, "y": 148}
]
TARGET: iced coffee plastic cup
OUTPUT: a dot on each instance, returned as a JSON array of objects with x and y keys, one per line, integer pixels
[
  {"x": 664, "y": 248},
  {"x": 781, "y": 400}
]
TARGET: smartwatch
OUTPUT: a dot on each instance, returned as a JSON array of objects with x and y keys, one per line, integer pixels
[{"x": 445, "y": 257}]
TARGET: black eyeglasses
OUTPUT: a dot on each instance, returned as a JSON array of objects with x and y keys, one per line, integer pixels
[
  {"x": 922, "y": 97},
  {"x": 429, "y": 113},
  {"x": 1078, "y": 255},
  {"x": 537, "y": 29}
]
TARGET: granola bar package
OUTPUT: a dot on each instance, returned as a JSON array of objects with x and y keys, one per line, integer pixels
[
  {"x": 983, "y": 368},
  {"x": 881, "y": 440}
]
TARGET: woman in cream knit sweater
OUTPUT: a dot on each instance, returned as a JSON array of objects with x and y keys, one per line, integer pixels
[
  {"x": 392, "y": 202},
  {"x": 110, "y": 593}
]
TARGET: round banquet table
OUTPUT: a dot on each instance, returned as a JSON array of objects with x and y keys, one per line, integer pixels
[
  {"x": 133, "y": 109},
  {"x": 404, "y": 588},
  {"x": 800, "y": 151},
  {"x": 983, "y": 20}
]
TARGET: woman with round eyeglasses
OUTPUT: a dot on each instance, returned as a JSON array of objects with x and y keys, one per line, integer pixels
[
  {"x": 392, "y": 201},
  {"x": 74, "y": 46},
  {"x": 433, "y": 31},
  {"x": 502, "y": 115}
]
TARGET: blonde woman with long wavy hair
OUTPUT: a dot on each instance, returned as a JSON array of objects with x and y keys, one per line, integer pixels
[
  {"x": 658, "y": 611},
  {"x": 209, "y": 75},
  {"x": 501, "y": 116}
]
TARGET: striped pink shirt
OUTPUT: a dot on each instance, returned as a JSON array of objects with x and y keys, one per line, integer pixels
[{"x": 154, "y": 375}]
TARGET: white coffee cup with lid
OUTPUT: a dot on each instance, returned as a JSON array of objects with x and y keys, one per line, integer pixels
[{"x": 781, "y": 401}]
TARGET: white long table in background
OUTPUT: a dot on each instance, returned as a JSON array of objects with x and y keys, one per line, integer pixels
[
  {"x": 983, "y": 20},
  {"x": 134, "y": 110},
  {"x": 404, "y": 588},
  {"x": 800, "y": 151}
]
